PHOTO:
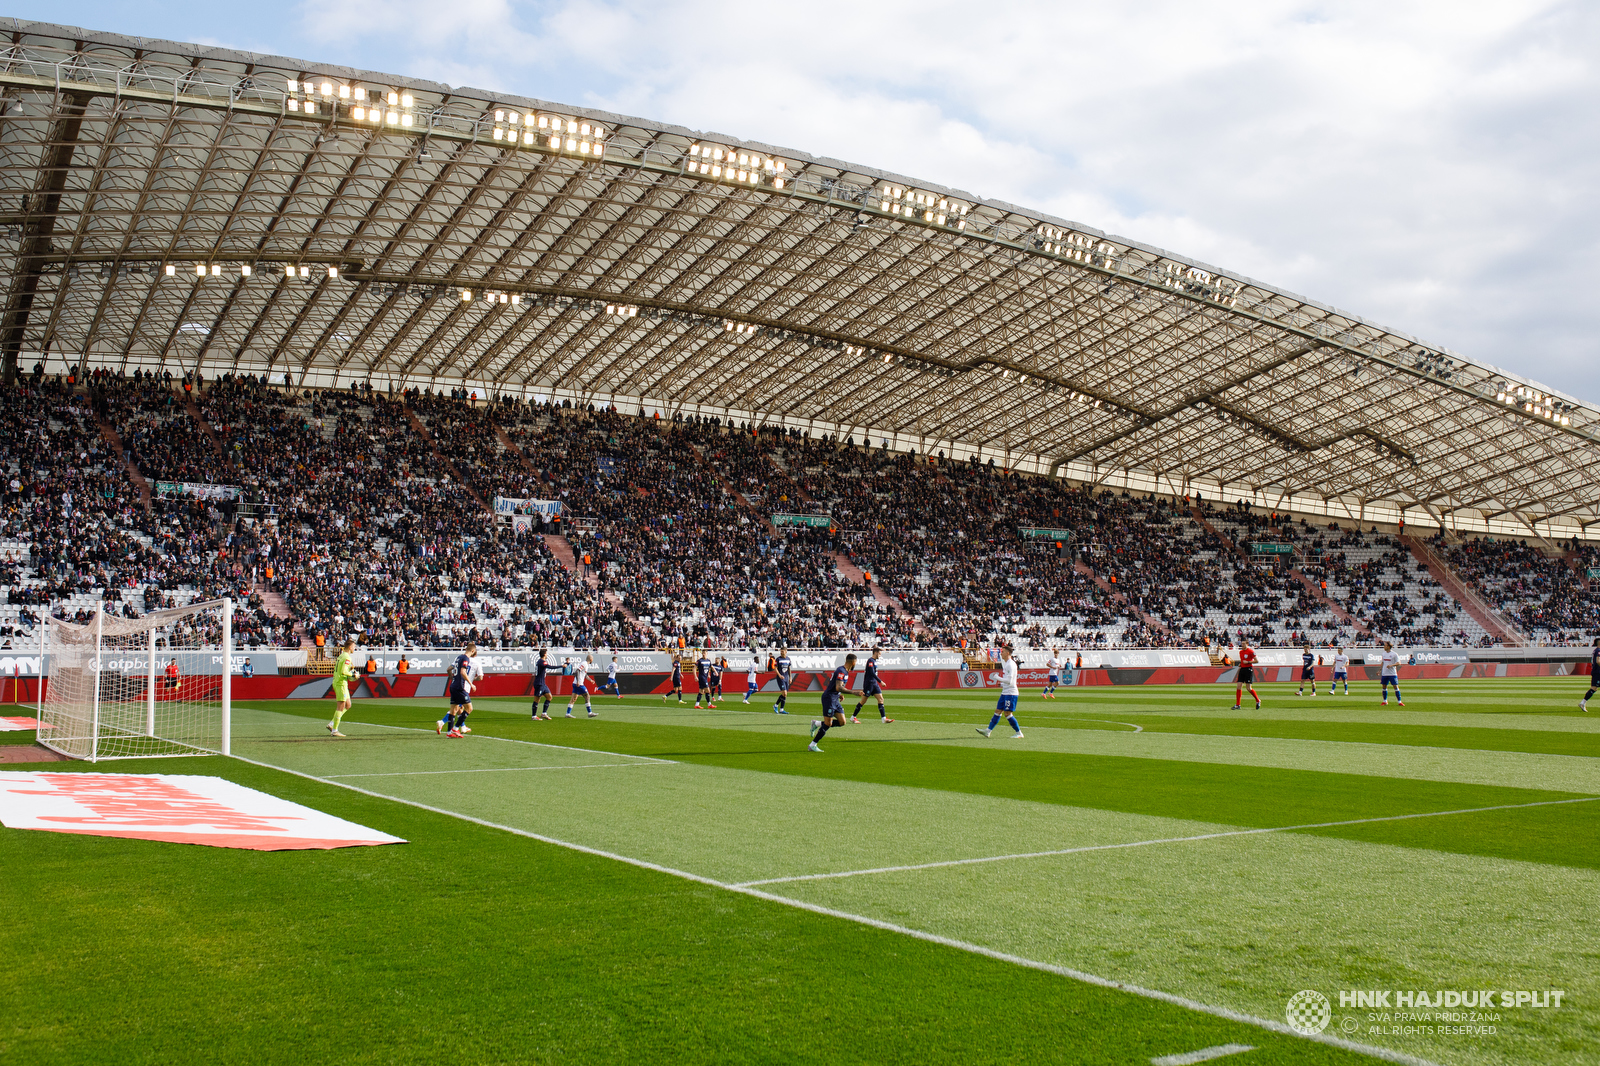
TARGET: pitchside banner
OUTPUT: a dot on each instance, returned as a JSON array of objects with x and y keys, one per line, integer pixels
[
  {"x": 1118, "y": 660},
  {"x": 656, "y": 662},
  {"x": 190, "y": 663}
]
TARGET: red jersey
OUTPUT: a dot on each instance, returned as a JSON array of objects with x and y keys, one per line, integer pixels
[
  {"x": 172, "y": 669},
  {"x": 1247, "y": 656}
]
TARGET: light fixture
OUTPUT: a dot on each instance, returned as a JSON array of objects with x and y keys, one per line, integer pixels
[
  {"x": 200, "y": 270},
  {"x": 928, "y": 208},
  {"x": 728, "y": 164},
  {"x": 305, "y": 272},
  {"x": 333, "y": 272},
  {"x": 246, "y": 270},
  {"x": 171, "y": 270},
  {"x": 288, "y": 270},
  {"x": 519, "y": 129},
  {"x": 466, "y": 296},
  {"x": 1180, "y": 278}
]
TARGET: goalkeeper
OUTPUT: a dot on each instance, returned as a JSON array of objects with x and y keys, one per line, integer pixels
[{"x": 344, "y": 671}]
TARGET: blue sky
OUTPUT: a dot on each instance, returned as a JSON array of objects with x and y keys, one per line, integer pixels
[{"x": 1428, "y": 166}]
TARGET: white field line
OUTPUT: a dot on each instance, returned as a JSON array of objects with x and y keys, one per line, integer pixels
[
  {"x": 1147, "y": 843},
  {"x": 1385, "y": 1054},
  {"x": 507, "y": 769},
  {"x": 1205, "y": 1054},
  {"x": 1131, "y": 725}
]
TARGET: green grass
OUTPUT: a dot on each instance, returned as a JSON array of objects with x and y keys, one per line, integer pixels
[
  {"x": 473, "y": 944},
  {"x": 469, "y": 945}
]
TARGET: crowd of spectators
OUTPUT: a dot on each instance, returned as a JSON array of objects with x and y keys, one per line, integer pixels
[
  {"x": 1548, "y": 595},
  {"x": 329, "y": 512}
]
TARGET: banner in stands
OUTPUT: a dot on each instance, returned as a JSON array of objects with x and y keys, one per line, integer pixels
[
  {"x": 521, "y": 523},
  {"x": 1259, "y": 548},
  {"x": 527, "y": 506},
  {"x": 166, "y": 490},
  {"x": 1038, "y": 533},
  {"x": 808, "y": 521}
]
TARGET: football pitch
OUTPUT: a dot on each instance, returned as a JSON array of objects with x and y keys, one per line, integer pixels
[{"x": 1146, "y": 875}]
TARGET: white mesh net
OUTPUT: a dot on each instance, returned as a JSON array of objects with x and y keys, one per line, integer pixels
[{"x": 126, "y": 688}]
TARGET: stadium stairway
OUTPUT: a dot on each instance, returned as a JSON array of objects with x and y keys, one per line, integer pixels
[
  {"x": 857, "y": 576},
  {"x": 562, "y": 549},
  {"x": 1491, "y": 620},
  {"x": 735, "y": 493},
  {"x": 1148, "y": 619},
  {"x": 422, "y": 431},
  {"x": 273, "y": 603},
  {"x": 1574, "y": 561},
  {"x": 511, "y": 446},
  {"x": 1333, "y": 606},
  {"x": 109, "y": 432},
  {"x": 211, "y": 434}
]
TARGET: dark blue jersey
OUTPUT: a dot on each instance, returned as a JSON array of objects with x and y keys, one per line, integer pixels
[
  {"x": 1594, "y": 665},
  {"x": 872, "y": 672},
  {"x": 702, "y": 668},
  {"x": 677, "y": 672},
  {"x": 461, "y": 669},
  {"x": 839, "y": 680},
  {"x": 783, "y": 667},
  {"x": 1307, "y": 659},
  {"x": 539, "y": 669}
]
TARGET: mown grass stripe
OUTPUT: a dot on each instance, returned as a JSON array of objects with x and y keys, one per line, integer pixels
[
  {"x": 1147, "y": 843},
  {"x": 1381, "y": 1053}
]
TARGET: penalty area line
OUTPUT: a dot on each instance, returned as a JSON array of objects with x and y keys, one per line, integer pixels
[
  {"x": 1147, "y": 843},
  {"x": 1226, "y": 1013}
]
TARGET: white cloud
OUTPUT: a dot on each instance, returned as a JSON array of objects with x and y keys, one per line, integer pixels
[{"x": 1428, "y": 166}]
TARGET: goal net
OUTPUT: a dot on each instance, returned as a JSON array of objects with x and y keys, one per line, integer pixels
[{"x": 139, "y": 688}]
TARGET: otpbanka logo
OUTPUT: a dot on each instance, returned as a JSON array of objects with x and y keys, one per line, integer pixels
[{"x": 1309, "y": 1012}]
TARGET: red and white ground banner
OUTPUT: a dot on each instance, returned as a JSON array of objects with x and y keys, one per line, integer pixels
[
  {"x": 179, "y": 809},
  {"x": 17, "y": 725}
]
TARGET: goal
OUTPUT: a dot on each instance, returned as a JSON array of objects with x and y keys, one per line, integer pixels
[{"x": 111, "y": 690}]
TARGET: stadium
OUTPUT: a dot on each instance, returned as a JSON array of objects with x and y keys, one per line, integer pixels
[{"x": 528, "y": 401}]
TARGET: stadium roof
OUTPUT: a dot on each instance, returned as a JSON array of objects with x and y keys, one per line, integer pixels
[{"x": 178, "y": 204}]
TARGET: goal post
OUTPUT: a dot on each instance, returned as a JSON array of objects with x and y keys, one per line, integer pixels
[{"x": 139, "y": 688}]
